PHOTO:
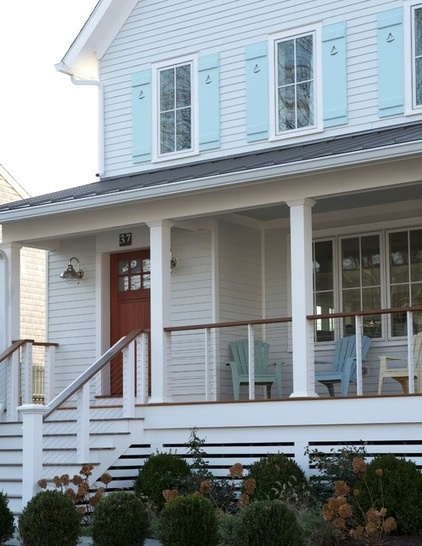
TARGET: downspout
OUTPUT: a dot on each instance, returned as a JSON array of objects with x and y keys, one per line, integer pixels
[{"x": 100, "y": 125}]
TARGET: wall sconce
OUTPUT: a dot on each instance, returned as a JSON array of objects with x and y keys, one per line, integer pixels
[
  {"x": 72, "y": 275},
  {"x": 173, "y": 263}
]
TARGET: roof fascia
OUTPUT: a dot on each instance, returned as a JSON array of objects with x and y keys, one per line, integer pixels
[
  {"x": 95, "y": 37},
  {"x": 351, "y": 159}
]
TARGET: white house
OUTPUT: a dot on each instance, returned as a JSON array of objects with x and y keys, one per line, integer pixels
[{"x": 260, "y": 179}]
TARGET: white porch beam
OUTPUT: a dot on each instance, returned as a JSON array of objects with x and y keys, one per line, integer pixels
[
  {"x": 301, "y": 297},
  {"x": 160, "y": 252}
]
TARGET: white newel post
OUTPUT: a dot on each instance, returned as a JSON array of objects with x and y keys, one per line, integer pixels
[
  {"x": 32, "y": 418},
  {"x": 83, "y": 411},
  {"x": 160, "y": 240},
  {"x": 129, "y": 381},
  {"x": 302, "y": 299}
]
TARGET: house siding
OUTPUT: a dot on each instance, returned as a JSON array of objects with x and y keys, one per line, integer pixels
[
  {"x": 164, "y": 30},
  {"x": 72, "y": 311},
  {"x": 191, "y": 302}
]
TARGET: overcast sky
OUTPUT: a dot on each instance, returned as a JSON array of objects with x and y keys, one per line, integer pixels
[{"x": 48, "y": 126}]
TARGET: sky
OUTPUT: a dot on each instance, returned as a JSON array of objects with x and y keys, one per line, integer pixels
[{"x": 48, "y": 125}]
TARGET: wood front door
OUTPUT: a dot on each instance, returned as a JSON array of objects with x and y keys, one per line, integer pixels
[{"x": 129, "y": 304}]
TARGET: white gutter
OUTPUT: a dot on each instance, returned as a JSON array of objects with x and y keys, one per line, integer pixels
[{"x": 208, "y": 183}]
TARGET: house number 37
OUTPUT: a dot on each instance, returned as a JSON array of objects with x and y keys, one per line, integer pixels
[{"x": 125, "y": 239}]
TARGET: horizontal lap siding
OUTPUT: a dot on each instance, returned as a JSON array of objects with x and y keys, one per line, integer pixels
[
  {"x": 191, "y": 302},
  {"x": 164, "y": 30},
  {"x": 240, "y": 295},
  {"x": 72, "y": 311}
]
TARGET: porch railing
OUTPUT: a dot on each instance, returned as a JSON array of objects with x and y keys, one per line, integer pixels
[
  {"x": 27, "y": 373},
  {"x": 210, "y": 341}
]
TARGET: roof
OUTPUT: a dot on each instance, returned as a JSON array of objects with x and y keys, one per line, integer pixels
[{"x": 381, "y": 139}]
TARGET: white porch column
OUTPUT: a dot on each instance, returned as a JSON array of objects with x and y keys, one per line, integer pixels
[
  {"x": 301, "y": 297},
  {"x": 11, "y": 293},
  {"x": 32, "y": 417},
  {"x": 160, "y": 240}
]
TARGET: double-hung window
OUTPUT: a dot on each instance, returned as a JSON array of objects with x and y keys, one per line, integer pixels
[
  {"x": 296, "y": 62},
  {"x": 417, "y": 56},
  {"x": 175, "y": 109}
]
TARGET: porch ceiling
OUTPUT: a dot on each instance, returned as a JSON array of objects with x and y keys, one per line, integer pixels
[{"x": 371, "y": 198}]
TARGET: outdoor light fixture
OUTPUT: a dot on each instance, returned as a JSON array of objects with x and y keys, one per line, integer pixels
[
  {"x": 173, "y": 263},
  {"x": 72, "y": 275}
]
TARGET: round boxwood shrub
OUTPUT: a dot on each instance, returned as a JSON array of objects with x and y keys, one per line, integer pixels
[
  {"x": 7, "y": 522},
  {"x": 273, "y": 472},
  {"x": 119, "y": 519},
  {"x": 161, "y": 471},
  {"x": 396, "y": 484},
  {"x": 189, "y": 519},
  {"x": 49, "y": 519},
  {"x": 269, "y": 522}
]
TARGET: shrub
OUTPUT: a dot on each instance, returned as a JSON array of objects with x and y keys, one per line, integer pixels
[
  {"x": 316, "y": 531},
  {"x": 49, "y": 519},
  {"x": 332, "y": 467},
  {"x": 79, "y": 490},
  {"x": 229, "y": 529},
  {"x": 119, "y": 519},
  {"x": 269, "y": 522},
  {"x": 7, "y": 523},
  {"x": 400, "y": 494},
  {"x": 271, "y": 473},
  {"x": 161, "y": 471},
  {"x": 189, "y": 519}
]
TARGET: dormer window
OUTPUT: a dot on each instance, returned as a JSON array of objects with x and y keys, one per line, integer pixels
[{"x": 417, "y": 57}]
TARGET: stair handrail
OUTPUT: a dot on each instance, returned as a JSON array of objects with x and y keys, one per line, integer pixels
[
  {"x": 89, "y": 373},
  {"x": 16, "y": 345}
]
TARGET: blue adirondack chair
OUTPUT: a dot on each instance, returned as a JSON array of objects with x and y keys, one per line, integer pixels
[
  {"x": 344, "y": 364},
  {"x": 239, "y": 367}
]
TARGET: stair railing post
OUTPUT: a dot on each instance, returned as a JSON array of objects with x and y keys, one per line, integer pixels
[
  {"x": 32, "y": 450},
  {"x": 129, "y": 380},
  {"x": 142, "y": 368},
  {"x": 82, "y": 449},
  {"x": 27, "y": 373},
  {"x": 13, "y": 396},
  {"x": 49, "y": 359}
]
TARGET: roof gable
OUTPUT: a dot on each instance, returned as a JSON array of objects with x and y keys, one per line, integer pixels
[{"x": 94, "y": 38}]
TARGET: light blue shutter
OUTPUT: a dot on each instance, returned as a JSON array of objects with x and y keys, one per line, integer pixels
[
  {"x": 257, "y": 109},
  {"x": 141, "y": 116},
  {"x": 391, "y": 62},
  {"x": 209, "y": 101},
  {"x": 334, "y": 74}
]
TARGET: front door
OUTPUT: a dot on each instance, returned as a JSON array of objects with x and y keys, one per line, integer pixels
[{"x": 129, "y": 304}]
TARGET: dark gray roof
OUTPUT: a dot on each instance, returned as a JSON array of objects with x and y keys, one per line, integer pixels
[{"x": 282, "y": 155}]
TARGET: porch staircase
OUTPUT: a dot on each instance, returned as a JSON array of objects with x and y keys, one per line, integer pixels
[
  {"x": 77, "y": 427},
  {"x": 111, "y": 436}
]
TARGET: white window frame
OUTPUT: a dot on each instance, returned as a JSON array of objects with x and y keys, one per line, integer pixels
[
  {"x": 273, "y": 40},
  {"x": 156, "y": 69},
  {"x": 409, "y": 52}
]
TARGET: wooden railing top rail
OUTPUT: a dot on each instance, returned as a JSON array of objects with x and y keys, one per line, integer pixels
[
  {"x": 416, "y": 308},
  {"x": 278, "y": 320},
  {"x": 89, "y": 373},
  {"x": 14, "y": 347},
  {"x": 227, "y": 324}
]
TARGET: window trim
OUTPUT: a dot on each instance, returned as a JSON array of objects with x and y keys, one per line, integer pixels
[
  {"x": 157, "y": 67},
  {"x": 316, "y": 31},
  {"x": 410, "y": 108}
]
